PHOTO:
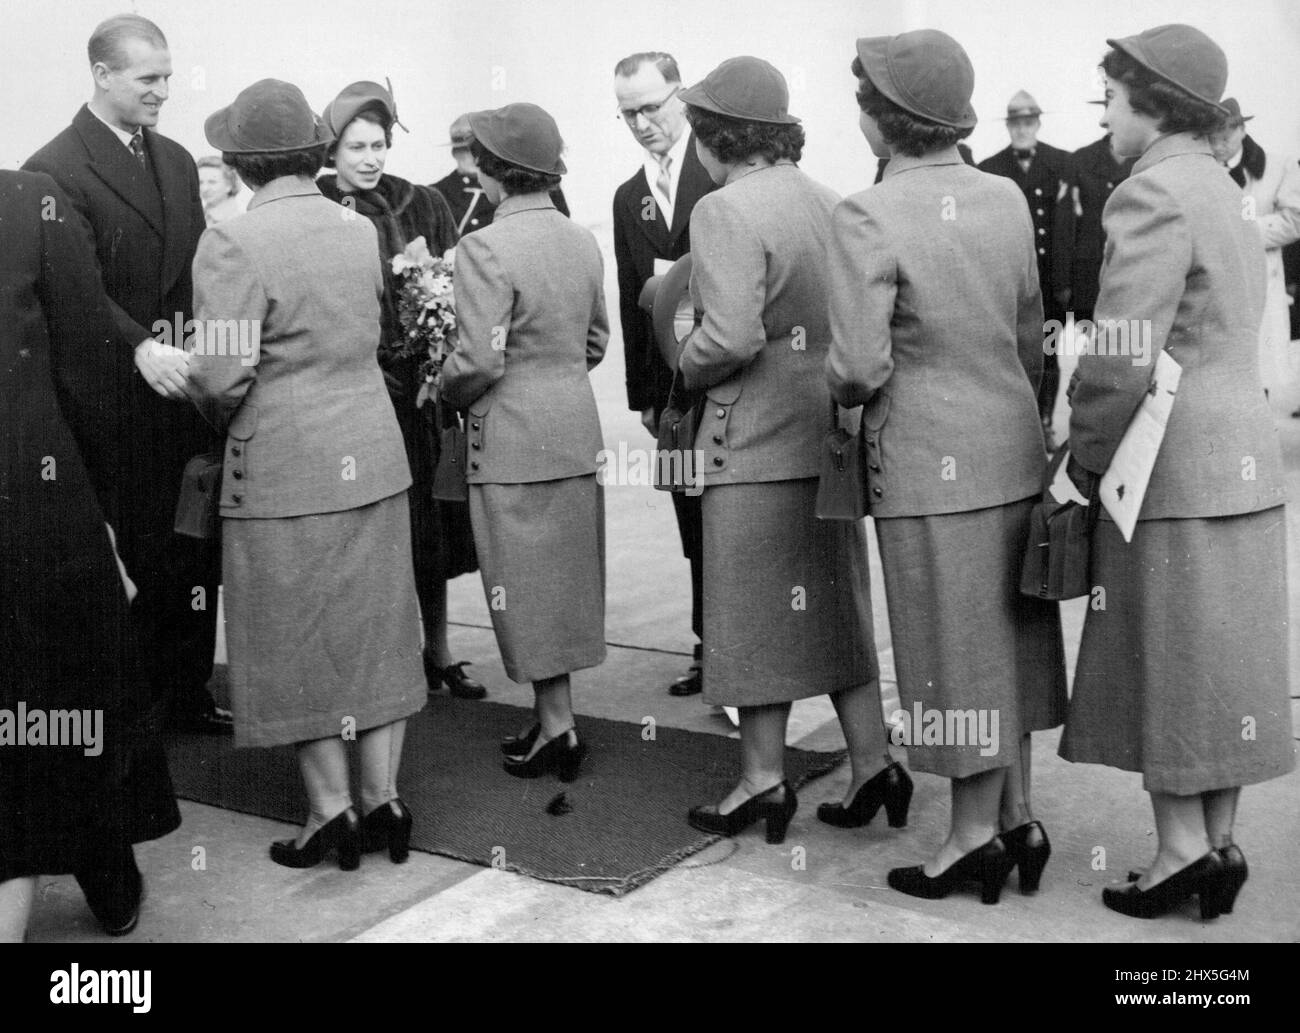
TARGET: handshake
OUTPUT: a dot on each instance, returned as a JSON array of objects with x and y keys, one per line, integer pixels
[{"x": 165, "y": 368}]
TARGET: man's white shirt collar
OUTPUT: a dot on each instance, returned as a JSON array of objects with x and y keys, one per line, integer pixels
[
  {"x": 121, "y": 134},
  {"x": 678, "y": 155}
]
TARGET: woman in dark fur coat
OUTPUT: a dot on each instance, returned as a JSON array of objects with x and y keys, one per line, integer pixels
[{"x": 361, "y": 119}]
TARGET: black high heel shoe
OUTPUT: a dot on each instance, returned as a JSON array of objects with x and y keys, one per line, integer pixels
[
  {"x": 1206, "y": 878},
  {"x": 777, "y": 812},
  {"x": 388, "y": 825},
  {"x": 1028, "y": 846},
  {"x": 462, "y": 686},
  {"x": 343, "y": 834},
  {"x": 519, "y": 745},
  {"x": 562, "y": 755},
  {"x": 989, "y": 866},
  {"x": 1235, "y": 873},
  {"x": 1234, "y": 862},
  {"x": 890, "y": 788}
]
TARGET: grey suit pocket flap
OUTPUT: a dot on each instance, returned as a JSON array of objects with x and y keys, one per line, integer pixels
[
  {"x": 245, "y": 422},
  {"x": 727, "y": 392},
  {"x": 876, "y": 411}
]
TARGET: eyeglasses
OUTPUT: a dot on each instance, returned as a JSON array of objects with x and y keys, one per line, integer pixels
[{"x": 629, "y": 115}]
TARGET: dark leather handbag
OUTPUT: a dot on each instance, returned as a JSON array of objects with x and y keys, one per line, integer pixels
[
  {"x": 450, "y": 476},
  {"x": 1059, "y": 551},
  {"x": 198, "y": 510},
  {"x": 674, "y": 470},
  {"x": 842, "y": 486}
]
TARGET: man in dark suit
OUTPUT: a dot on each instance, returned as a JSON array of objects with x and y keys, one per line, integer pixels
[
  {"x": 1042, "y": 173},
  {"x": 652, "y": 214},
  {"x": 135, "y": 199},
  {"x": 460, "y": 187}
]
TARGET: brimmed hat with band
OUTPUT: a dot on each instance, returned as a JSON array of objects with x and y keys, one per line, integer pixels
[
  {"x": 1235, "y": 117},
  {"x": 1022, "y": 105},
  {"x": 745, "y": 88},
  {"x": 1182, "y": 56},
  {"x": 925, "y": 72},
  {"x": 521, "y": 134},
  {"x": 269, "y": 117},
  {"x": 354, "y": 99}
]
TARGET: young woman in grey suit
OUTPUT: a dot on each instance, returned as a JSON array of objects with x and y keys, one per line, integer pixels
[
  {"x": 321, "y": 614},
  {"x": 787, "y": 604},
  {"x": 1183, "y": 674},
  {"x": 936, "y": 323},
  {"x": 531, "y": 310}
]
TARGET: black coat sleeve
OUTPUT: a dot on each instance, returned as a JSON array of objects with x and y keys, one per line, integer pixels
[{"x": 82, "y": 334}]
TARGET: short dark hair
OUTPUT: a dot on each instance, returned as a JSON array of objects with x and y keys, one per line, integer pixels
[
  {"x": 665, "y": 62},
  {"x": 734, "y": 139},
  {"x": 902, "y": 130},
  {"x": 106, "y": 42},
  {"x": 515, "y": 178},
  {"x": 375, "y": 114},
  {"x": 259, "y": 169},
  {"x": 1173, "y": 110}
]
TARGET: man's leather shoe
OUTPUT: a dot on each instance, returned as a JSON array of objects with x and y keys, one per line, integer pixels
[
  {"x": 213, "y": 720},
  {"x": 689, "y": 684},
  {"x": 114, "y": 889}
]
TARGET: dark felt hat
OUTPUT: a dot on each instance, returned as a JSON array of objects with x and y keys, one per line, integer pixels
[
  {"x": 1235, "y": 117},
  {"x": 926, "y": 73},
  {"x": 354, "y": 99},
  {"x": 1182, "y": 56},
  {"x": 747, "y": 88},
  {"x": 521, "y": 134},
  {"x": 269, "y": 117}
]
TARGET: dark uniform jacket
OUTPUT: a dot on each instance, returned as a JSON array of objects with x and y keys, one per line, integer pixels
[
  {"x": 638, "y": 241},
  {"x": 1044, "y": 186},
  {"x": 1079, "y": 241}
]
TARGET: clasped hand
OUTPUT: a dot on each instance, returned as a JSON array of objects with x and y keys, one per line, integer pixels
[{"x": 164, "y": 367}]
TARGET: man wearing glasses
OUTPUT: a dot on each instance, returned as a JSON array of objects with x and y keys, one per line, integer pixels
[{"x": 652, "y": 214}]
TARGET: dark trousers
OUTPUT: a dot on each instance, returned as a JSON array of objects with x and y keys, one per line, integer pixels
[
  {"x": 690, "y": 524},
  {"x": 1047, "y": 387},
  {"x": 176, "y": 614}
]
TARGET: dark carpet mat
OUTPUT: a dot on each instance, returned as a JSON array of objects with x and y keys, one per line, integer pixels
[{"x": 622, "y": 823}]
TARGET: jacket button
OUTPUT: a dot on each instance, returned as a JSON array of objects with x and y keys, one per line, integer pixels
[
  {"x": 237, "y": 498},
  {"x": 722, "y": 414},
  {"x": 1041, "y": 231},
  {"x": 1038, "y": 192},
  {"x": 871, "y": 440},
  {"x": 875, "y": 467},
  {"x": 717, "y": 460},
  {"x": 1042, "y": 250},
  {"x": 237, "y": 474},
  {"x": 1040, "y": 211},
  {"x": 717, "y": 439},
  {"x": 475, "y": 445},
  {"x": 474, "y": 426},
  {"x": 473, "y": 464},
  {"x": 877, "y": 492},
  {"x": 235, "y": 450}
]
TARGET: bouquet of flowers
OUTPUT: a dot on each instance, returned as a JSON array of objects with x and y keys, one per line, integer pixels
[{"x": 426, "y": 309}]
